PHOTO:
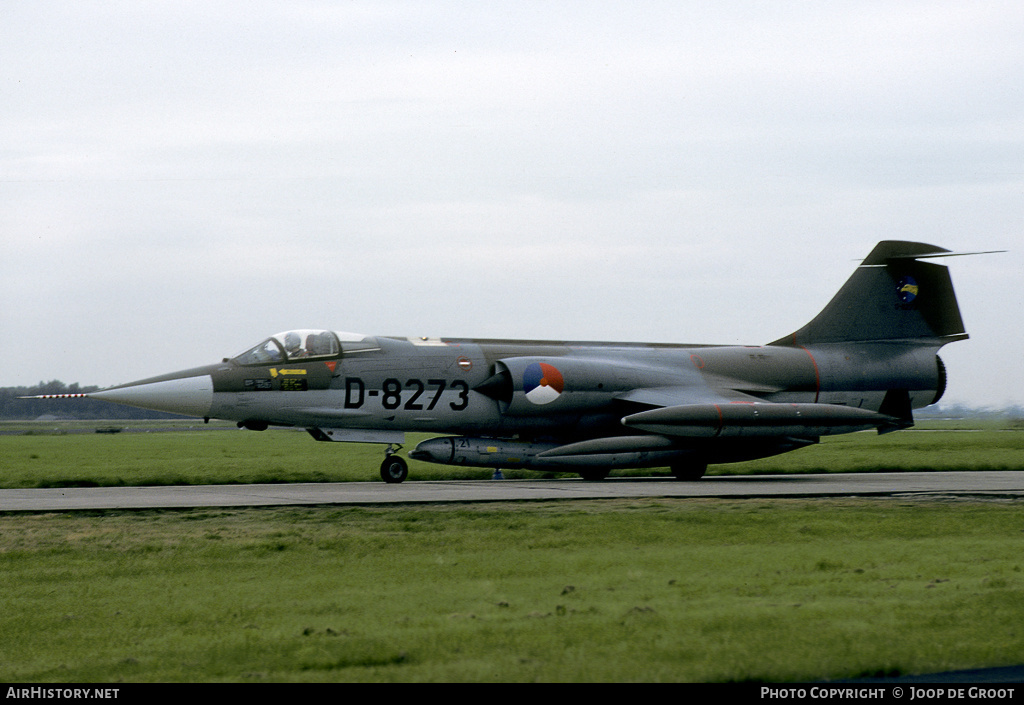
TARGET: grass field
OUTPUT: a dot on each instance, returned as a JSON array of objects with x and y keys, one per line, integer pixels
[
  {"x": 615, "y": 590},
  {"x": 51, "y": 455},
  {"x": 677, "y": 590}
]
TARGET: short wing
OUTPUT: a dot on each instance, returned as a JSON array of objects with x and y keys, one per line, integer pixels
[
  {"x": 754, "y": 419},
  {"x": 686, "y": 412}
]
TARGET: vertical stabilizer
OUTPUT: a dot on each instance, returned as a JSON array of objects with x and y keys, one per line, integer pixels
[{"x": 891, "y": 296}]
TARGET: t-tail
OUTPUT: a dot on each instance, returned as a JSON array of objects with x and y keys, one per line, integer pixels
[{"x": 891, "y": 297}]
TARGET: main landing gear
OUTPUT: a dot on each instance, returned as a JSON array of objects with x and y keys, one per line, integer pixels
[
  {"x": 394, "y": 469},
  {"x": 689, "y": 471}
]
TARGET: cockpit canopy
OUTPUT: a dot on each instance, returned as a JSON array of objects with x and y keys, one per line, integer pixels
[{"x": 300, "y": 345}]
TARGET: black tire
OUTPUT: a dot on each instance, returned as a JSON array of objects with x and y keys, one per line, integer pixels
[
  {"x": 689, "y": 471},
  {"x": 394, "y": 469},
  {"x": 594, "y": 474}
]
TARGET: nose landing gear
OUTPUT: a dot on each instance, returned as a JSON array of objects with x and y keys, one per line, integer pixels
[{"x": 394, "y": 469}]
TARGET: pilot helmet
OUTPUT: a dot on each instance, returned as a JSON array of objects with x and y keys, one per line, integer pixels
[{"x": 292, "y": 342}]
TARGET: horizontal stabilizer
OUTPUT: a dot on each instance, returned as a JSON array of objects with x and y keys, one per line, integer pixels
[
  {"x": 889, "y": 250},
  {"x": 756, "y": 420}
]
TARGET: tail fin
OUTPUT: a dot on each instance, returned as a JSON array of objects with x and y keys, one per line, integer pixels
[{"x": 891, "y": 296}]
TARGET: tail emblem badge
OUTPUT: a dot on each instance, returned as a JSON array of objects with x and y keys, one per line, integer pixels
[{"x": 906, "y": 289}]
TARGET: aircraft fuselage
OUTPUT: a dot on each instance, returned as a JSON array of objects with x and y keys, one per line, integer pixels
[{"x": 524, "y": 404}]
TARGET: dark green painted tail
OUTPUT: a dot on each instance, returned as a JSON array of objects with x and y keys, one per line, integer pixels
[{"x": 890, "y": 297}]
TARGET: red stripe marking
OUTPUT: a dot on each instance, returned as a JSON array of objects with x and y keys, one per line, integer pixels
[
  {"x": 817, "y": 375},
  {"x": 721, "y": 421}
]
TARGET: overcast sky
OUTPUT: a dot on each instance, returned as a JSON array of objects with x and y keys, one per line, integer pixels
[{"x": 179, "y": 180}]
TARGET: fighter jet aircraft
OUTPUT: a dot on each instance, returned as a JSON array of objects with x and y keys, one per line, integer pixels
[{"x": 865, "y": 362}]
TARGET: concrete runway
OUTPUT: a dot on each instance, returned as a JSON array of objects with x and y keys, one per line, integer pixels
[{"x": 1004, "y": 484}]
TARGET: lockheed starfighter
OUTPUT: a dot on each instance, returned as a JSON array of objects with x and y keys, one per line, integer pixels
[{"x": 865, "y": 362}]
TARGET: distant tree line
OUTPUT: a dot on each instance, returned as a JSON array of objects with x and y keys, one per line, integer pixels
[
  {"x": 962, "y": 411},
  {"x": 14, "y": 409}
]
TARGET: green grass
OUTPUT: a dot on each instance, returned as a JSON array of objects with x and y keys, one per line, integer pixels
[
  {"x": 48, "y": 455},
  {"x": 624, "y": 590},
  {"x": 637, "y": 590}
]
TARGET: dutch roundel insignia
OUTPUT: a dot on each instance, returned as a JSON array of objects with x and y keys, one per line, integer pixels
[{"x": 542, "y": 383}]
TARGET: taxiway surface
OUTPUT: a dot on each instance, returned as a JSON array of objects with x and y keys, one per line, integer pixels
[{"x": 1006, "y": 484}]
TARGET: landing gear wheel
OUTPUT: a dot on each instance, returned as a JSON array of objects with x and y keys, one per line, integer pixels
[
  {"x": 689, "y": 471},
  {"x": 394, "y": 469},
  {"x": 594, "y": 474}
]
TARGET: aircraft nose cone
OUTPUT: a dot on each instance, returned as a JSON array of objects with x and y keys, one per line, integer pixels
[{"x": 190, "y": 396}]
